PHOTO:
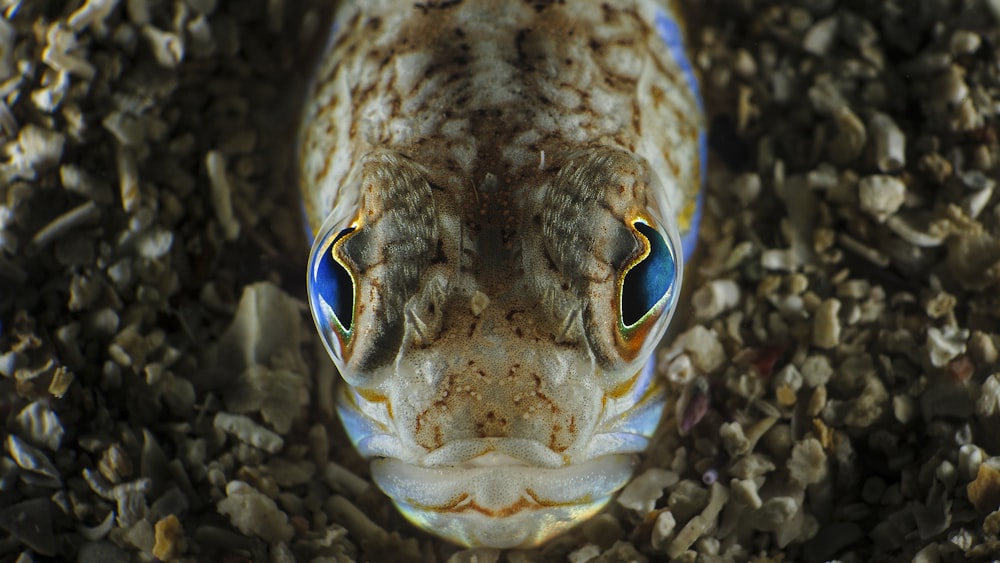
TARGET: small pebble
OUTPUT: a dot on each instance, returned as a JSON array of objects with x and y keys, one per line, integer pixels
[
  {"x": 964, "y": 42},
  {"x": 663, "y": 530},
  {"x": 254, "y": 514},
  {"x": 715, "y": 298},
  {"x": 984, "y": 491},
  {"x": 881, "y": 195},
  {"x": 826, "y": 325},
  {"x": 169, "y": 539},
  {"x": 970, "y": 457}
]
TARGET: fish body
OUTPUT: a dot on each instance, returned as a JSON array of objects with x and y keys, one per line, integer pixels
[{"x": 502, "y": 195}]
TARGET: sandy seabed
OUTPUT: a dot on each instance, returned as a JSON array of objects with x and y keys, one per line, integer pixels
[{"x": 163, "y": 397}]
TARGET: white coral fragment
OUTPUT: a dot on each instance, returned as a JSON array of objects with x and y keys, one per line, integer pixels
[
  {"x": 37, "y": 149},
  {"x": 279, "y": 395},
  {"x": 714, "y": 298},
  {"x": 253, "y": 513},
  {"x": 706, "y": 351},
  {"x": 701, "y": 523},
  {"x": 642, "y": 493},
  {"x": 826, "y": 325},
  {"x": 222, "y": 197},
  {"x": 881, "y": 195},
  {"x": 807, "y": 464},
  {"x": 663, "y": 530},
  {"x": 745, "y": 491},
  {"x": 974, "y": 260},
  {"x": 248, "y": 431},
  {"x": 944, "y": 344},
  {"x": 989, "y": 398}
]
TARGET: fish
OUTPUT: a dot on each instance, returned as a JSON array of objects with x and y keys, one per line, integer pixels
[{"x": 502, "y": 197}]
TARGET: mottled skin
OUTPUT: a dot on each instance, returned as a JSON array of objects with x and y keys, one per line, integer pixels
[{"x": 494, "y": 159}]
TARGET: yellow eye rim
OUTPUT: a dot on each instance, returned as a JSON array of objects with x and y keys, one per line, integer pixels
[
  {"x": 632, "y": 337},
  {"x": 327, "y": 321}
]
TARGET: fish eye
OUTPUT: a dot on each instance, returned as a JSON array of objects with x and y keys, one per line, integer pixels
[
  {"x": 648, "y": 283},
  {"x": 332, "y": 288}
]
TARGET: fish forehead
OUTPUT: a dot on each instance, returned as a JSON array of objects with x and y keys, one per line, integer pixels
[{"x": 490, "y": 96}]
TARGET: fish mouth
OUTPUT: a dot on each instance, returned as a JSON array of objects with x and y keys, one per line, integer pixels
[
  {"x": 494, "y": 452},
  {"x": 496, "y": 500}
]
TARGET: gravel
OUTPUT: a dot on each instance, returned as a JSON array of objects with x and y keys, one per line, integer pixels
[{"x": 836, "y": 377}]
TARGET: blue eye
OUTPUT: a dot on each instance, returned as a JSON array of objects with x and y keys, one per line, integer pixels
[
  {"x": 648, "y": 283},
  {"x": 332, "y": 284}
]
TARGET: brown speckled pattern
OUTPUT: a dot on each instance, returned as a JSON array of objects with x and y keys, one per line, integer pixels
[{"x": 494, "y": 158}]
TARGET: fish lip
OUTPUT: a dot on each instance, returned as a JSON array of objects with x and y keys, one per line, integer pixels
[
  {"x": 494, "y": 452},
  {"x": 442, "y": 489},
  {"x": 501, "y": 506}
]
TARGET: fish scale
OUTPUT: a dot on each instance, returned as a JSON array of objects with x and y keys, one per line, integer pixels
[{"x": 502, "y": 195}]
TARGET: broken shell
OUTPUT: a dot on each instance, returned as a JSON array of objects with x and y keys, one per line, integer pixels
[
  {"x": 39, "y": 423},
  {"x": 34, "y": 461},
  {"x": 114, "y": 464},
  {"x": 820, "y": 38},
  {"x": 890, "y": 143},
  {"x": 911, "y": 234},
  {"x": 167, "y": 47}
]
